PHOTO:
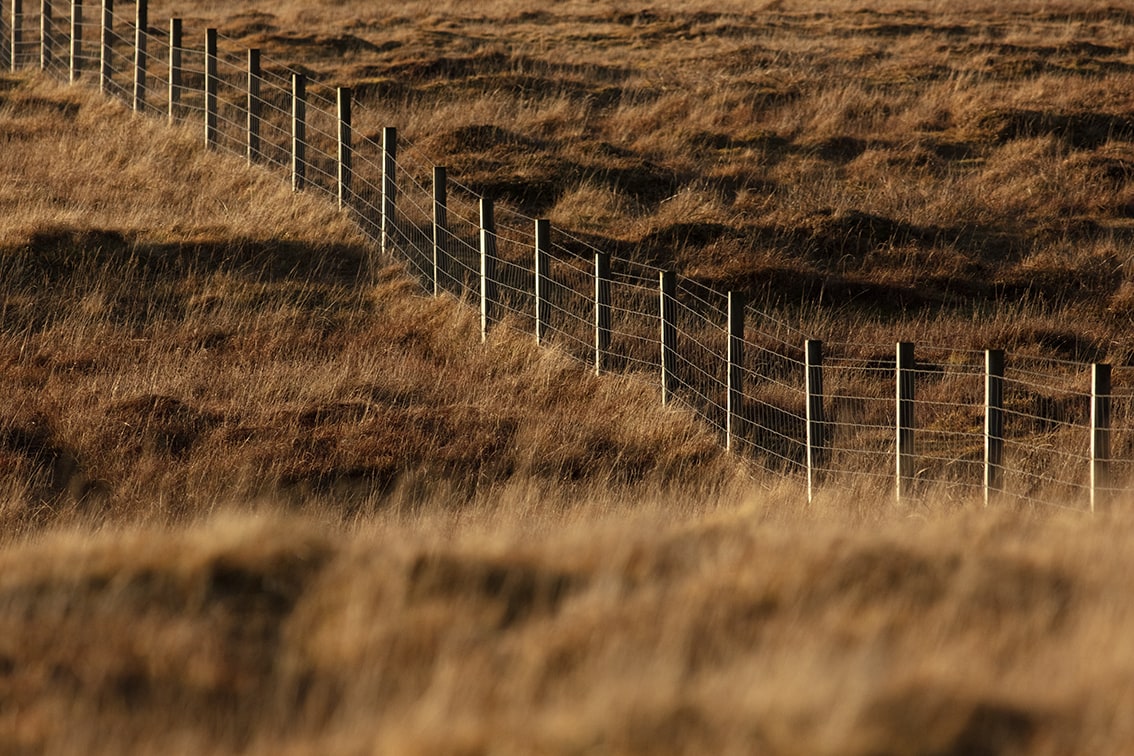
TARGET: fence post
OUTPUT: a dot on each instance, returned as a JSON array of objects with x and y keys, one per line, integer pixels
[
  {"x": 735, "y": 378},
  {"x": 993, "y": 424},
  {"x": 666, "y": 314},
  {"x": 141, "y": 23},
  {"x": 602, "y": 310},
  {"x": 75, "y": 48},
  {"x": 1100, "y": 435},
  {"x": 905, "y": 419},
  {"x": 174, "y": 69},
  {"x": 816, "y": 420},
  {"x": 440, "y": 226},
  {"x": 210, "y": 88},
  {"x": 389, "y": 188},
  {"x": 346, "y": 150},
  {"x": 298, "y": 132},
  {"x": 542, "y": 291},
  {"x": 45, "y": 34},
  {"x": 105, "y": 56},
  {"x": 487, "y": 266},
  {"x": 17, "y": 32},
  {"x": 254, "y": 105}
]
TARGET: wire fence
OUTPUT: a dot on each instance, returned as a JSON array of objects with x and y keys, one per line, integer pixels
[{"x": 840, "y": 414}]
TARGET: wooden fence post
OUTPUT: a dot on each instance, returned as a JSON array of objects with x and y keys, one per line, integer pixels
[
  {"x": 16, "y": 30},
  {"x": 816, "y": 419},
  {"x": 602, "y": 311},
  {"x": 346, "y": 148},
  {"x": 487, "y": 267},
  {"x": 440, "y": 226},
  {"x": 210, "y": 88},
  {"x": 141, "y": 23},
  {"x": 735, "y": 378},
  {"x": 45, "y": 35},
  {"x": 174, "y": 69},
  {"x": 993, "y": 424},
  {"x": 298, "y": 132},
  {"x": 1100, "y": 435},
  {"x": 542, "y": 279},
  {"x": 905, "y": 458},
  {"x": 75, "y": 47},
  {"x": 389, "y": 189},
  {"x": 106, "y": 51},
  {"x": 667, "y": 311},
  {"x": 254, "y": 106}
]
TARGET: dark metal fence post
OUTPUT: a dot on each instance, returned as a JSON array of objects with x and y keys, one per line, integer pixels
[
  {"x": 106, "y": 52},
  {"x": 542, "y": 279},
  {"x": 389, "y": 189},
  {"x": 487, "y": 267},
  {"x": 440, "y": 227},
  {"x": 993, "y": 423},
  {"x": 141, "y": 23},
  {"x": 816, "y": 420},
  {"x": 1100, "y": 435},
  {"x": 905, "y": 471},
  {"x": 667, "y": 311},
  {"x": 75, "y": 48},
  {"x": 45, "y": 35},
  {"x": 735, "y": 377},
  {"x": 298, "y": 132},
  {"x": 210, "y": 88},
  {"x": 602, "y": 311},
  {"x": 16, "y": 32},
  {"x": 254, "y": 106},
  {"x": 174, "y": 69},
  {"x": 346, "y": 147}
]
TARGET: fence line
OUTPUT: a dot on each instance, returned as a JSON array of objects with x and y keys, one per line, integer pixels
[{"x": 919, "y": 417}]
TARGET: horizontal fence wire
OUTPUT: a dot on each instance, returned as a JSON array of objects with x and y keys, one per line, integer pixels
[
  {"x": 949, "y": 415},
  {"x": 1046, "y": 402},
  {"x": 860, "y": 419},
  {"x": 635, "y": 328},
  {"x": 571, "y": 307}
]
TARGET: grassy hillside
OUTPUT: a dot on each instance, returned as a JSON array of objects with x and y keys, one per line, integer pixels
[
  {"x": 893, "y": 161},
  {"x": 176, "y": 322},
  {"x": 258, "y": 495}
]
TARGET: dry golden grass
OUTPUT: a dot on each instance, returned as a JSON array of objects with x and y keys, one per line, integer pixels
[
  {"x": 894, "y": 159},
  {"x": 227, "y": 343},
  {"x": 260, "y": 497},
  {"x": 765, "y": 629}
]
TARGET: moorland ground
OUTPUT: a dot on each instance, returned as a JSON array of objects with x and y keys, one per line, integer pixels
[
  {"x": 964, "y": 162},
  {"x": 252, "y": 501}
]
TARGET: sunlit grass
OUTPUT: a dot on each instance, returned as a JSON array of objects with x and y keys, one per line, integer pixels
[{"x": 261, "y": 495}]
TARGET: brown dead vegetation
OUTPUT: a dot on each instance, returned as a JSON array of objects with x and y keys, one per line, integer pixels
[
  {"x": 259, "y": 496},
  {"x": 890, "y": 160}
]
